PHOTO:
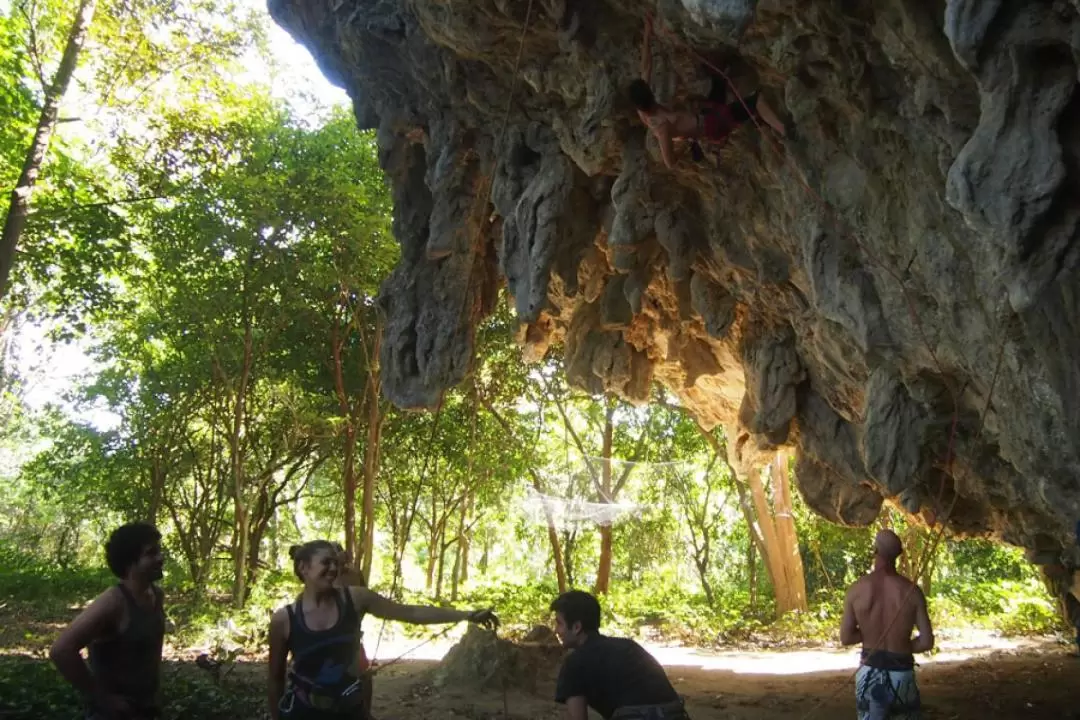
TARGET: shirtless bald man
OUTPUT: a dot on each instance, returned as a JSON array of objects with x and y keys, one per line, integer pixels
[{"x": 880, "y": 611}]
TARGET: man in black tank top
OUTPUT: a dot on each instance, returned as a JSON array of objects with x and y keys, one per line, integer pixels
[{"x": 122, "y": 630}]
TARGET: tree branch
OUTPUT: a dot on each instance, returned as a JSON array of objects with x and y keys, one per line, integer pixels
[
  {"x": 639, "y": 447},
  {"x": 32, "y": 47},
  {"x": 576, "y": 438}
]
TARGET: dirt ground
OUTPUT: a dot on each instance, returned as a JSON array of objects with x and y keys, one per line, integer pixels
[
  {"x": 978, "y": 676},
  {"x": 1039, "y": 680}
]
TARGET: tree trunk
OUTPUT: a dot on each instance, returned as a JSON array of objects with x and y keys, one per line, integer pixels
[
  {"x": 466, "y": 537},
  {"x": 603, "y": 570},
  {"x": 429, "y": 575},
  {"x": 751, "y": 572},
  {"x": 372, "y": 450},
  {"x": 553, "y": 534},
  {"x": 348, "y": 482},
  {"x": 482, "y": 566},
  {"x": 348, "y": 465},
  {"x": 789, "y": 557},
  {"x": 568, "y": 544},
  {"x": 706, "y": 586},
  {"x": 157, "y": 489},
  {"x": 241, "y": 520},
  {"x": 773, "y": 556},
  {"x": 257, "y": 531},
  {"x": 240, "y": 550},
  {"x": 439, "y": 572},
  {"x": 788, "y": 580},
  {"x": 455, "y": 572},
  {"x": 434, "y": 545},
  {"x": 557, "y": 555},
  {"x": 19, "y": 208},
  {"x": 553, "y": 539}
]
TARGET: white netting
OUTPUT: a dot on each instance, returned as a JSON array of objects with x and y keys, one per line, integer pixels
[
  {"x": 578, "y": 498},
  {"x": 560, "y": 512}
]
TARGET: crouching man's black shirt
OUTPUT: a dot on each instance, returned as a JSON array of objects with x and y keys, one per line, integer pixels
[{"x": 612, "y": 673}]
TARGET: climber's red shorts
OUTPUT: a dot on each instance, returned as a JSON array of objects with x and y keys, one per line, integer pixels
[{"x": 718, "y": 120}]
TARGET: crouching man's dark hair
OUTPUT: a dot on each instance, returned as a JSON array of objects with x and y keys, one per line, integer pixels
[{"x": 577, "y": 606}]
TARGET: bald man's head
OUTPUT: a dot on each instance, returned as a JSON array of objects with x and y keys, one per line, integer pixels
[{"x": 887, "y": 544}]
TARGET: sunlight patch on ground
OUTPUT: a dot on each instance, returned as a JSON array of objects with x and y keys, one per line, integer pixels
[{"x": 755, "y": 662}]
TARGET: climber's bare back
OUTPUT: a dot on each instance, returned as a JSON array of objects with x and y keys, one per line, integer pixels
[
  {"x": 887, "y": 607},
  {"x": 663, "y": 121}
]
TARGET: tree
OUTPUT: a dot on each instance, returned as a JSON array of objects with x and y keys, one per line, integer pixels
[
  {"x": 771, "y": 524},
  {"x": 19, "y": 206},
  {"x": 701, "y": 505},
  {"x": 607, "y": 483},
  {"x": 125, "y": 47},
  {"x": 252, "y": 198}
]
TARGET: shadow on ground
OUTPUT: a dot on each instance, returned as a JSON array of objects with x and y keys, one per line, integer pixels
[{"x": 1027, "y": 684}]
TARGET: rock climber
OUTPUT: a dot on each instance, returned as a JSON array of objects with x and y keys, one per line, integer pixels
[
  {"x": 616, "y": 677},
  {"x": 321, "y": 633},
  {"x": 880, "y": 611},
  {"x": 716, "y": 117},
  {"x": 122, "y": 630},
  {"x": 350, "y": 576}
]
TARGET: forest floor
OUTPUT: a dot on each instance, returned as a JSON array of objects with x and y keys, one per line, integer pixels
[{"x": 974, "y": 675}]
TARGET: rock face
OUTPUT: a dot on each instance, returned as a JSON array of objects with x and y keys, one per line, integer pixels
[{"x": 905, "y": 261}]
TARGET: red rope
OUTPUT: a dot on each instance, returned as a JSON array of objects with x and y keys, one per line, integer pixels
[
  {"x": 646, "y": 49},
  {"x": 950, "y": 451}
]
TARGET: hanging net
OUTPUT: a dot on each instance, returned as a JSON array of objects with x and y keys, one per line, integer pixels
[
  {"x": 562, "y": 513},
  {"x": 578, "y": 497}
]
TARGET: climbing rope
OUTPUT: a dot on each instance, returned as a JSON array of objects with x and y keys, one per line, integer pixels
[
  {"x": 650, "y": 24},
  {"x": 486, "y": 195}
]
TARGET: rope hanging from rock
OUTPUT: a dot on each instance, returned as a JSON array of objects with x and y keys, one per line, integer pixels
[
  {"x": 779, "y": 145},
  {"x": 486, "y": 195},
  {"x": 646, "y": 49}
]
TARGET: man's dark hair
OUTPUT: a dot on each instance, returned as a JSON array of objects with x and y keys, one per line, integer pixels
[
  {"x": 578, "y": 606},
  {"x": 126, "y": 544},
  {"x": 642, "y": 96}
]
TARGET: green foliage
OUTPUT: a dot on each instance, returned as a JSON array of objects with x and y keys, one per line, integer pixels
[
  {"x": 520, "y": 606},
  {"x": 32, "y": 688},
  {"x": 29, "y": 582},
  {"x": 1031, "y": 616}
]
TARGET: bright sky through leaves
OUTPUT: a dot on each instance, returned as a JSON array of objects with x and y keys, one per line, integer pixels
[{"x": 52, "y": 369}]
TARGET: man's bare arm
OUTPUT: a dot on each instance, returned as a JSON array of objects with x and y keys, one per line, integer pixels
[
  {"x": 96, "y": 622},
  {"x": 667, "y": 150},
  {"x": 279, "y": 653},
  {"x": 577, "y": 708},
  {"x": 850, "y": 633},
  {"x": 924, "y": 641}
]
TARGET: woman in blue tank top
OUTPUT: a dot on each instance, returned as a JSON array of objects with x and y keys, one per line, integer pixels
[{"x": 320, "y": 634}]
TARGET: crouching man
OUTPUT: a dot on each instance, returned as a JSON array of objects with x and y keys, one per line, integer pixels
[{"x": 616, "y": 677}]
